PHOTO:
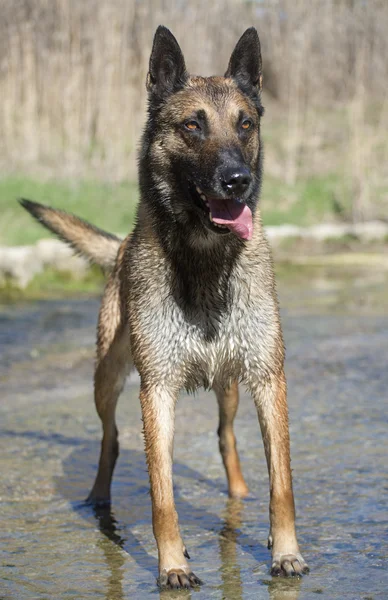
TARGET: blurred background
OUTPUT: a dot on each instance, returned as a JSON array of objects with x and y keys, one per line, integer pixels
[{"x": 73, "y": 102}]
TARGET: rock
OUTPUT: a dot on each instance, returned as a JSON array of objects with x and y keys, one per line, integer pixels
[
  {"x": 368, "y": 231},
  {"x": 371, "y": 230},
  {"x": 280, "y": 232},
  {"x": 57, "y": 255},
  {"x": 21, "y": 263}
]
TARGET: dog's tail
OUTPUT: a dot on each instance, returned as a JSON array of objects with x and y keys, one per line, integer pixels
[{"x": 93, "y": 243}]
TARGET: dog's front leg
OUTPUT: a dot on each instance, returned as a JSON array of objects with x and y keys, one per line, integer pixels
[
  {"x": 271, "y": 402},
  {"x": 158, "y": 410}
]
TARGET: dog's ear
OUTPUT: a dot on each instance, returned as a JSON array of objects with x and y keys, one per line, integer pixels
[
  {"x": 245, "y": 63},
  {"x": 167, "y": 70}
]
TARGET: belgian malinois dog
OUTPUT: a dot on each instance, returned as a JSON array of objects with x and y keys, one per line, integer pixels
[{"x": 190, "y": 300}]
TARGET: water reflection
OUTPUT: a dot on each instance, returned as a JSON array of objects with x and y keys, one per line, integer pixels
[
  {"x": 174, "y": 595},
  {"x": 113, "y": 553},
  {"x": 115, "y": 557},
  {"x": 230, "y": 569},
  {"x": 108, "y": 525},
  {"x": 280, "y": 588},
  {"x": 232, "y": 581}
]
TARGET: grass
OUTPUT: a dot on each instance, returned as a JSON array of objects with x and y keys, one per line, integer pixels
[
  {"x": 109, "y": 206},
  {"x": 52, "y": 284},
  {"x": 309, "y": 201},
  {"x": 112, "y": 206}
]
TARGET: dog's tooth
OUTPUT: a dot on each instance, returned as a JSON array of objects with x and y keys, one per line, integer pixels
[
  {"x": 211, "y": 217},
  {"x": 198, "y": 190},
  {"x": 203, "y": 197}
]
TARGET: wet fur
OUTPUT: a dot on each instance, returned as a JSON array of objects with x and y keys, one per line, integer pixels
[{"x": 189, "y": 306}]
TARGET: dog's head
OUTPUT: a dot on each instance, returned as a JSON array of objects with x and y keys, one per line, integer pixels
[{"x": 201, "y": 159}]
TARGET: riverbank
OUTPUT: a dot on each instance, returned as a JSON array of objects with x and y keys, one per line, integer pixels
[
  {"x": 303, "y": 223},
  {"x": 49, "y": 268}
]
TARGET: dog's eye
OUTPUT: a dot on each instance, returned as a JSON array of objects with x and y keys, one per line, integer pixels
[
  {"x": 192, "y": 125},
  {"x": 246, "y": 124}
]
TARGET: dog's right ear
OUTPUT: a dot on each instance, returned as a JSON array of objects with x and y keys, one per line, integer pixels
[{"x": 167, "y": 71}]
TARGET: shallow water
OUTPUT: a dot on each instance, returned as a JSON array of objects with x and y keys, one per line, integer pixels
[{"x": 52, "y": 546}]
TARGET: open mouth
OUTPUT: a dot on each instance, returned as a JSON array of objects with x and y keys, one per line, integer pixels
[
  {"x": 227, "y": 215},
  {"x": 206, "y": 208}
]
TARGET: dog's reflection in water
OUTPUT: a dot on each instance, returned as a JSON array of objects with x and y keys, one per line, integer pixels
[
  {"x": 279, "y": 588},
  {"x": 231, "y": 587},
  {"x": 113, "y": 553}
]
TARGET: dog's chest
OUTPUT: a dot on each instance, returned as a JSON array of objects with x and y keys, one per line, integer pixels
[{"x": 213, "y": 340}]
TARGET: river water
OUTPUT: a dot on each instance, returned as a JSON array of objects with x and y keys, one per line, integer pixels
[{"x": 53, "y": 546}]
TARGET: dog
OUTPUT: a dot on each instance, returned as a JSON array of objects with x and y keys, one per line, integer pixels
[{"x": 190, "y": 299}]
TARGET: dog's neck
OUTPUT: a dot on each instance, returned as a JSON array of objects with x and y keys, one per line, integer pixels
[
  {"x": 191, "y": 248},
  {"x": 201, "y": 282},
  {"x": 200, "y": 265},
  {"x": 202, "y": 271}
]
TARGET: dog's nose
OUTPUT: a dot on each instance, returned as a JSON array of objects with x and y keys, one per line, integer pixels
[{"x": 236, "y": 181}]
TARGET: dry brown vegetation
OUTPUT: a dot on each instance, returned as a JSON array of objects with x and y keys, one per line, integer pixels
[{"x": 73, "y": 98}]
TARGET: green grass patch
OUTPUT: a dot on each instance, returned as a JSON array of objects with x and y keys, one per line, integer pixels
[
  {"x": 308, "y": 202},
  {"x": 52, "y": 284},
  {"x": 111, "y": 206}
]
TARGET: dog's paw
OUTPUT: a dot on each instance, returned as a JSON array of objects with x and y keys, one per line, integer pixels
[
  {"x": 176, "y": 579},
  {"x": 289, "y": 565}
]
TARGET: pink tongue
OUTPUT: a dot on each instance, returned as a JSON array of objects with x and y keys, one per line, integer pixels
[{"x": 234, "y": 215}]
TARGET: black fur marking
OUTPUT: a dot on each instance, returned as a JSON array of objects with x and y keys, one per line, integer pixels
[
  {"x": 245, "y": 67},
  {"x": 167, "y": 70},
  {"x": 245, "y": 64}
]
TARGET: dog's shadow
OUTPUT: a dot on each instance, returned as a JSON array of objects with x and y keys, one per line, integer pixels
[
  {"x": 131, "y": 511},
  {"x": 131, "y": 500}
]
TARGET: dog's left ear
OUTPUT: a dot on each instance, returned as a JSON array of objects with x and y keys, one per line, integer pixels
[
  {"x": 167, "y": 70},
  {"x": 245, "y": 63}
]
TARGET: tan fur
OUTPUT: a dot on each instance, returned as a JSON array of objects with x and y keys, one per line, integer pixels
[
  {"x": 222, "y": 116},
  {"x": 271, "y": 403},
  {"x": 228, "y": 404},
  {"x": 189, "y": 306},
  {"x": 94, "y": 244},
  {"x": 145, "y": 287}
]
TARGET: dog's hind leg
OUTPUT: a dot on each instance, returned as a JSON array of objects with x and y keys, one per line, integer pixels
[
  {"x": 113, "y": 365},
  {"x": 228, "y": 404},
  {"x": 109, "y": 381},
  {"x": 271, "y": 402}
]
